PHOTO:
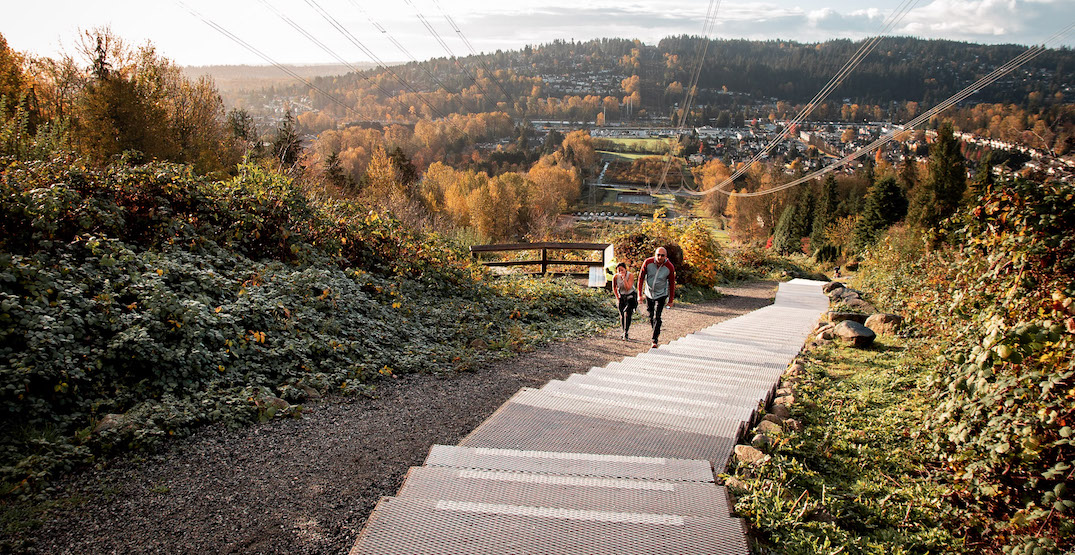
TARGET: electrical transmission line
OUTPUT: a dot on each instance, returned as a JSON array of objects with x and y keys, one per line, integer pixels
[{"x": 973, "y": 88}]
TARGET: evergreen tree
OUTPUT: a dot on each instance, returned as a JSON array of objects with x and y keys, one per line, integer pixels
[
  {"x": 286, "y": 146},
  {"x": 908, "y": 173},
  {"x": 795, "y": 223},
  {"x": 983, "y": 180},
  {"x": 940, "y": 195},
  {"x": 824, "y": 212},
  {"x": 885, "y": 205}
]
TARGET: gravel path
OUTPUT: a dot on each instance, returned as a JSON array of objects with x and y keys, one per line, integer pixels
[{"x": 307, "y": 485}]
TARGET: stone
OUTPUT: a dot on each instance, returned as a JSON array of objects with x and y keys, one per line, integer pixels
[
  {"x": 836, "y": 293},
  {"x": 859, "y": 304},
  {"x": 783, "y": 392},
  {"x": 110, "y": 422},
  {"x": 884, "y": 323},
  {"x": 749, "y": 455},
  {"x": 761, "y": 441},
  {"x": 796, "y": 369},
  {"x": 768, "y": 428},
  {"x": 793, "y": 425},
  {"x": 836, "y": 317},
  {"x": 849, "y": 294},
  {"x": 310, "y": 392},
  {"x": 733, "y": 483},
  {"x": 773, "y": 418},
  {"x": 479, "y": 344},
  {"x": 856, "y": 334},
  {"x": 828, "y": 287},
  {"x": 781, "y": 411},
  {"x": 277, "y": 402},
  {"x": 787, "y": 401}
]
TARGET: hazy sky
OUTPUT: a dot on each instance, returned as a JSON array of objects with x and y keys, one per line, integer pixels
[{"x": 48, "y": 27}]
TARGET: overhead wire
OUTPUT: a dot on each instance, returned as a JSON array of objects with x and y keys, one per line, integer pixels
[
  {"x": 473, "y": 51},
  {"x": 421, "y": 65},
  {"x": 987, "y": 80},
  {"x": 440, "y": 40},
  {"x": 709, "y": 23},
  {"x": 856, "y": 59},
  {"x": 373, "y": 56},
  {"x": 236, "y": 39}
]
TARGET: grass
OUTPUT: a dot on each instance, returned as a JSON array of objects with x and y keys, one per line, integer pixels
[
  {"x": 626, "y": 156},
  {"x": 856, "y": 479}
]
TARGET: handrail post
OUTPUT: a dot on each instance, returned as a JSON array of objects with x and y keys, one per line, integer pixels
[{"x": 544, "y": 260}]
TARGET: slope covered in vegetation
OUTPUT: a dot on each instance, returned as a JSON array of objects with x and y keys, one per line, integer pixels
[{"x": 139, "y": 301}]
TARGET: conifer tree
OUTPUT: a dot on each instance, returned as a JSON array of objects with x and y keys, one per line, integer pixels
[
  {"x": 885, "y": 205},
  {"x": 939, "y": 196},
  {"x": 824, "y": 212}
]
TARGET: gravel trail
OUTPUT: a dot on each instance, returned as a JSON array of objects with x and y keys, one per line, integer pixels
[{"x": 307, "y": 485}]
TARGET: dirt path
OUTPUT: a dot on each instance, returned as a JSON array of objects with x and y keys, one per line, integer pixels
[{"x": 307, "y": 486}]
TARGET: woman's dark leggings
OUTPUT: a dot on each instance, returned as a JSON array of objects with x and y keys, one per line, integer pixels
[{"x": 628, "y": 303}]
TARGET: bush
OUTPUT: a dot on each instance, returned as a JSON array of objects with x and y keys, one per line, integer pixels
[
  {"x": 151, "y": 301},
  {"x": 1001, "y": 305}
]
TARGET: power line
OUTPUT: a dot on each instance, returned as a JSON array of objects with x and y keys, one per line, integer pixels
[
  {"x": 1023, "y": 58},
  {"x": 266, "y": 57},
  {"x": 440, "y": 40},
  {"x": 473, "y": 51},
  {"x": 901, "y": 11}
]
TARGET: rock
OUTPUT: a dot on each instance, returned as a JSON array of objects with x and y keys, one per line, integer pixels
[
  {"x": 836, "y": 293},
  {"x": 848, "y": 294},
  {"x": 796, "y": 369},
  {"x": 859, "y": 304},
  {"x": 277, "y": 402},
  {"x": 828, "y": 333},
  {"x": 733, "y": 483},
  {"x": 761, "y": 441},
  {"x": 884, "y": 323},
  {"x": 783, "y": 392},
  {"x": 479, "y": 344},
  {"x": 787, "y": 401},
  {"x": 855, "y": 333},
  {"x": 793, "y": 425},
  {"x": 749, "y": 455},
  {"x": 781, "y": 411},
  {"x": 828, "y": 287},
  {"x": 310, "y": 392},
  {"x": 837, "y": 317},
  {"x": 110, "y": 422},
  {"x": 769, "y": 428},
  {"x": 775, "y": 419}
]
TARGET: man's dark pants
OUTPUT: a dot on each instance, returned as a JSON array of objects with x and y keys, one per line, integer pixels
[{"x": 655, "y": 307}]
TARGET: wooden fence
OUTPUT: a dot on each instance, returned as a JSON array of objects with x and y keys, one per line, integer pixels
[{"x": 544, "y": 261}]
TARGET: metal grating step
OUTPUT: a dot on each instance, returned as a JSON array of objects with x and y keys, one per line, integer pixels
[
  {"x": 662, "y": 377},
  {"x": 668, "y": 358},
  {"x": 672, "y": 418},
  {"x": 518, "y": 426},
  {"x": 655, "y": 401},
  {"x": 570, "y": 463},
  {"x": 409, "y": 526},
  {"x": 627, "y": 385},
  {"x": 585, "y": 493},
  {"x": 672, "y": 368}
]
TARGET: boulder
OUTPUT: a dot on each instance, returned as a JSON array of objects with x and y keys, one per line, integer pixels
[
  {"x": 780, "y": 411},
  {"x": 836, "y": 294},
  {"x": 849, "y": 294},
  {"x": 773, "y": 418},
  {"x": 787, "y": 401},
  {"x": 884, "y": 323},
  {"x": 749, "y": 455},
  {"x": 110, "y": 422},
  {"x": 769, "y": 428},
  {"x": 761, "y": 441},
  {"x": 783, "y": 392},
  {"x": 311, "y": 393},
  {"x": 855, "y": 333},
  {"x": 793, "y": 425},
  {"x": 795, "y": 369},
  {"x": 828, "y": 287},
  {"x": 837, "y": 317},
  {"x": 733, "y": 483},
  {"x": 859, "y": 304}
]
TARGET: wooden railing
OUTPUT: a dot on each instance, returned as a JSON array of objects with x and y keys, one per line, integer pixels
[{"x": 544, "y": 261}]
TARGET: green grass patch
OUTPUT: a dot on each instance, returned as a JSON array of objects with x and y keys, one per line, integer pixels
[{"x": 856, "y": 479}]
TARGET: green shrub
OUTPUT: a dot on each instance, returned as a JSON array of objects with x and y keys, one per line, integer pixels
[{"x": 1000, "y": 305}]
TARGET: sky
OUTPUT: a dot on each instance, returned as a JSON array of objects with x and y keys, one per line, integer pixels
[{"x": 51, "y": 27}]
